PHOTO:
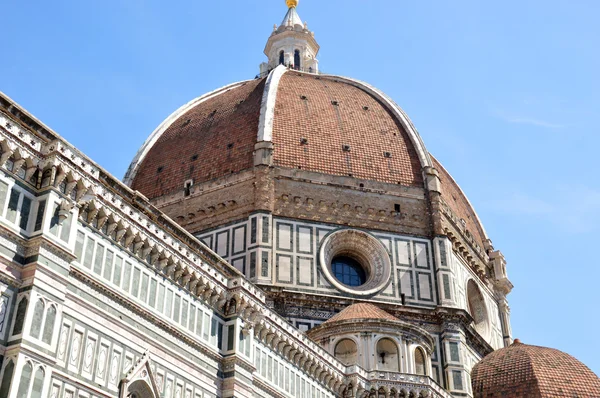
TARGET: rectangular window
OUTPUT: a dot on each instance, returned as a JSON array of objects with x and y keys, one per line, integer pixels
[
  {"x": 169, "y": 303},
  {"x": 118, "y": 270},
  {"x": 270, "y": 369},
  {"x": 89, "y": 253},
  {"x": 176, "y": 308},
  {"x": 248, "y": 345},
  {"x": 219, "y": 335},
  {"x": 292, "y": 382},
  {"x": 265, "y": 264},
  {"x": 199, "y": 322},
  {"x": 152, "y": 295},
  {"x": 79, "y": 245},
  {"x": 108, "y": 265},
  {"x": 253, "y": 230},
  {"x": 144, "y": 287},
  {"x": 446, "y": 279},
  {"x": 126, "y": 275},
  {"x": 252, "y": 264},
  {"x": 230, "y": 337},
  {"x": 54, "y": 221},
  {"x": 25, "y": 209},
  {"x": 13, "y": 204},
  {"x": 457, "y": 379},
  {"x": 3, "y": 191},
  {"x": 65, "y": 229},
  {"x": 192, "y": 323},
  {"x": 206, "y": 326},
  {"x": 213, "y": 331},
  {"x": 39, "y": 217},
  {"x": 135, "y": 281},
  {"x": 454, "y": 354},
  {"x": 160, "y": 299},
  {"x": 265, "y": 229},
  {"x": 99, "y": 259},
  {"x": 184, "y": 313}
]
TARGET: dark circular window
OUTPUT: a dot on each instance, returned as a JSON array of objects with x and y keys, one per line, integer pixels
[{"x": 348, "y": 271}]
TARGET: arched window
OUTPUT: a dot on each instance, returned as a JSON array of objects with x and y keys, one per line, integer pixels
[
  {"x": 26, "y": 374},
  {"x": 297, "y": 59},
  {"x": 73, "y": 193},
  {"x": 281, "y": 57},
  {"x": 38, "y": 318},
  {"x": 38, "y": 384},
  {"x": 46, "y": 178},
  {"x": 346, "y": 351},
  {"x": 20, "y": 317},
  {"x": 49, "y": 325},
  {"x": 477, "y": 309},
  {"x": 22, "y": 172},
  {"x": 420, "y": 362},
  {"x": 6, "y": 379},
  {"x": 62, "y": 187},
  {"x": 33, "y": 180},
  {"x": 387, "y": 355},
  {"x": 10, "y": 163}
]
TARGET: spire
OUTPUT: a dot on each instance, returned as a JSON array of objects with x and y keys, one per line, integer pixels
[
  {"x": 291, "y": 44},
  {"x": 291, "y": 18}
]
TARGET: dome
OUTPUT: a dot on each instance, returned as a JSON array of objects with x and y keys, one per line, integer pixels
[
  {"x": 361, "y": 311},
  {"x": 522, "y": 370},
  {"x": 320, "y": 123}
]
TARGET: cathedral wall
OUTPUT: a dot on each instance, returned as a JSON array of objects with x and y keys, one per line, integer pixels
[
  {"x": 107, "y": 295},
  {"x": 281, "y": 375},
  {"x": 352, "y": 202},
  {"x": 462, "y": 275},
  {"x": 87, "y": 328},
  {"x": 284, "y": 252}
]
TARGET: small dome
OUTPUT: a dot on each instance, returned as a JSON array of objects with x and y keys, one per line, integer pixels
[
  {"x": 522, "y": 370},
  {"x": 361, "y": 311}
]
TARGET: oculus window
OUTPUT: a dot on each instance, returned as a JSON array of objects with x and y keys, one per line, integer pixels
[{"x": 348, "y": 271}]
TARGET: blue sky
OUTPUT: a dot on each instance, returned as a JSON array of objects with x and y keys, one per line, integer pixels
[{"x": 505, "y": 94}]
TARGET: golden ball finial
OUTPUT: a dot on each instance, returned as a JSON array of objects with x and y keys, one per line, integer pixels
[{"x": 291, "y": 3}]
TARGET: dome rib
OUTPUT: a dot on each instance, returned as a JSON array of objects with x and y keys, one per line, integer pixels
[
  {"x": 213, "y": 137},
  {"x": 346, "y": 128}
]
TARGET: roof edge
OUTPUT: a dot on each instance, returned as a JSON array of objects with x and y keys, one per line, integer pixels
[{"x": 479, "y": 223}]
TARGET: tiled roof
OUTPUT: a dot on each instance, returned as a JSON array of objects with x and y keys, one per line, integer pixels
[
  {"x": 213, "y": 139},
  {"x": 361, "y": 311},
  {"x": 329, "y": 114},
  {"x": 346, "y": 132},
  {"x": 457, "y": 201},
  {"x": 522, "y": 370}
]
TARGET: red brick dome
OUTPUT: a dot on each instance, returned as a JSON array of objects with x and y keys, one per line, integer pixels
[
  {"x": 319, "y": 123},
  {"x": 522, "y": 370}
]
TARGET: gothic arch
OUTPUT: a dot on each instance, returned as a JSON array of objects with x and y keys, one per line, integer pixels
[
  {"x": 140, "y": 382},
  {"x": 140, "y": 389}
]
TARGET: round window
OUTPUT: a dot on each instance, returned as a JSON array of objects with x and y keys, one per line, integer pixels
[
  {"x": 355, "y": 262},
  {"x": 348, "y": 271}
]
